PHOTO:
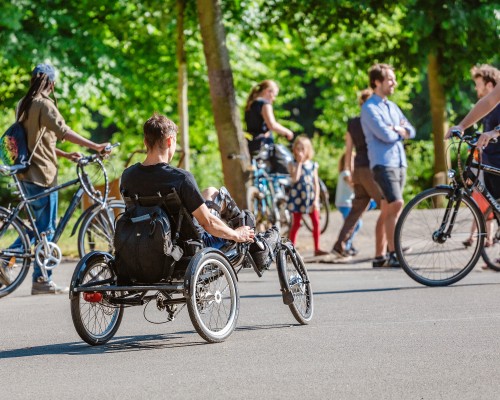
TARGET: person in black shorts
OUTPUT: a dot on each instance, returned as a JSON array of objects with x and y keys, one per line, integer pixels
[
  {"x": 385, "y": 128},
  {"x": 155, "y": 175}
]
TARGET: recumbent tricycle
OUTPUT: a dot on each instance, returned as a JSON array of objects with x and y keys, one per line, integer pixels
[{"x": 204, "y": 278}]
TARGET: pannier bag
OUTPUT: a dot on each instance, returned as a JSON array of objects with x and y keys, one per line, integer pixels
[
  {"x": 263, "y": 258},
  {"x": 143, "y": 245}
]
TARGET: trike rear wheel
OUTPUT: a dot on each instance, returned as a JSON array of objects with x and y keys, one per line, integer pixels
[{"x": 95, "y": 319}]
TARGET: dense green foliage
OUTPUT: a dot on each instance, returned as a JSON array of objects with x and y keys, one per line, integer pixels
[{"x": 117, "y": 65}]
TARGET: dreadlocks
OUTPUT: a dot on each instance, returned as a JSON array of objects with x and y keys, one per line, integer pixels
[{"x": 40, "y": 83}]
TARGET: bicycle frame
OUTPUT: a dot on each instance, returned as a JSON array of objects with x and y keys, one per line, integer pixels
[
  {"x": 262, "y": 182},
  {"x": 481, "y": 188},
  {"x": 26, "y": 201},
  {"x": 461, "y": 189}
]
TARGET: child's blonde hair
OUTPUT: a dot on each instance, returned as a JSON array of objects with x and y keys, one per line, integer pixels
[{"x": 308, "y": 147}]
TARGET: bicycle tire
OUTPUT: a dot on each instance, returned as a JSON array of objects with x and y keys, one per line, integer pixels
[
  {"x": 434, "y": 259},
  {"x": 491, "y": 254},
  {"x": 16, "y": 266},
  {"x": 297, "y": 281},
  {"x": 95, "y": 322},
  {"x": 213, "y": 312},
  {"x": 98, "y": 228},
  {"x": 324, "y": 213},
  {"x": 86, "y": 179},
  {"x": 262, "y": 207}
]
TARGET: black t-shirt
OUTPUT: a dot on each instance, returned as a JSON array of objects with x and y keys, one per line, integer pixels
[
  {"x": 149, "y": 180},
  {"x": 358, "y": 139},
  {"x": 491, "y": 153},
  {"x": 256, "y": 124}
]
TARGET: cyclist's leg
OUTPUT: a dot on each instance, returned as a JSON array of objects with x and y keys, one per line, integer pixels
[
  {"x": 222, "y": 204},
  {"x": 45, "y": 213}
]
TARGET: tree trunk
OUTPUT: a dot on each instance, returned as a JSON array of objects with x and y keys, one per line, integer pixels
[
  {"x": 438, "y": 115},
  {"x": 224, "y": 107},
  {"x": 182, "y": 86}
]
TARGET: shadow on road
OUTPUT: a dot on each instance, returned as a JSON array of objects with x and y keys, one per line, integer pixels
[
  {"x": 261, "y": 327},
  {"x": 123, "y": 344},
  {"x": 369, "y": 290},
  {"x": 116, "y": 345}
]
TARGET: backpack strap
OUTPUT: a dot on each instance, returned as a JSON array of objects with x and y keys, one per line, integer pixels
[{"x": 39, "y": 139}]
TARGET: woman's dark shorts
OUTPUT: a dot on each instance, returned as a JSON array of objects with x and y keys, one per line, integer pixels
[{"x": 391, "y": 181}]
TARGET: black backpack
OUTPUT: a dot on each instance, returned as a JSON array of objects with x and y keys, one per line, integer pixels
[{"x": 143, "y": 244}]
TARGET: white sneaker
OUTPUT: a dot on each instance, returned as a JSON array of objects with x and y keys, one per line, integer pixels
[{"x": 44, "y": 287}]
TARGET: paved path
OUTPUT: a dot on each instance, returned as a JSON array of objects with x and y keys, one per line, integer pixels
[{"x": 376, "y": 334}]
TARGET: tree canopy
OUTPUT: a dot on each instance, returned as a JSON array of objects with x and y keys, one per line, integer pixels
[{"x": 117, "y": 61}]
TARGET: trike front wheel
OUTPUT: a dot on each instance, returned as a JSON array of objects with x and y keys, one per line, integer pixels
[
  {"x": 213, "y": 300},
  {"x": 297, "y": 283}
]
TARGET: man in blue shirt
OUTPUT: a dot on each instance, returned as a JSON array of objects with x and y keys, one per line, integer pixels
[{"x": 385, "y": 128}]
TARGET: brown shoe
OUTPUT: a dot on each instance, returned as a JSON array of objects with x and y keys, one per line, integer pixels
[{"x": 318, "y": 253}]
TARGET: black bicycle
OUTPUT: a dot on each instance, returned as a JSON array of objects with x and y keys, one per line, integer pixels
[
  {"x": 17, "y": 224},
  {"x": 437, "y": 223}
]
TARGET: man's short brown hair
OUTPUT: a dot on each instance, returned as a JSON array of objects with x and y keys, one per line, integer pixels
[
  {"x": 378, "y": 72},
  {"x": 487, "y": 72},
  {"x": 156, "y": 129}
]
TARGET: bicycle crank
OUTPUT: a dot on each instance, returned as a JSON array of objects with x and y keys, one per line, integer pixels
[{"x": 48, "y": 255}]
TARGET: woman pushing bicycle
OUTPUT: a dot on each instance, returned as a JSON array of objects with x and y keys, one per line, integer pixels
[
  {"x": 259, "y": 116},
  {"x": 44, "y": 126}
]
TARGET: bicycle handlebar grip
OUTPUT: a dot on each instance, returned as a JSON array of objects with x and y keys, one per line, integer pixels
[
  {"x": 457, "y": 133},
  {"x": 111, "y": 146}
]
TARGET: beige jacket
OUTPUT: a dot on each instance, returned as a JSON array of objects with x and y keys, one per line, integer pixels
[{"x": 43, "y": 118}]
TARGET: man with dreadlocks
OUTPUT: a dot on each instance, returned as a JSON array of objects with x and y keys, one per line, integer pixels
[{"x": 43, "y": 123}]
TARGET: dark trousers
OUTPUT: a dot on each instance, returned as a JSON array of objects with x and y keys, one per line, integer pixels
[
  {"x": 492, "y": 183},
  {"x": 365, "y": 188}
]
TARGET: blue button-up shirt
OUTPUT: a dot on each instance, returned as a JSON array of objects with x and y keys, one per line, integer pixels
[{"x": 385, "y": 146}]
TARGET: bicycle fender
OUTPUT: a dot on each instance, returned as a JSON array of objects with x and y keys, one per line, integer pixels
[
  {"x": 443, "y": 187},
  {"x": 83, "y": 216},
  {"x": 77, "y": 277}
]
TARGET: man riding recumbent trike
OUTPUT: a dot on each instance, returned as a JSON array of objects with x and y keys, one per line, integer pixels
[{"x": 165, "y": 258}]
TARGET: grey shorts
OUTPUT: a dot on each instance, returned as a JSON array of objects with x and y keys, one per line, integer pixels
[{"x": 391, "y": 181}]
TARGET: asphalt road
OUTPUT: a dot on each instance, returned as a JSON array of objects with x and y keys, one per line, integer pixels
[{"x": 375, "y": 334}]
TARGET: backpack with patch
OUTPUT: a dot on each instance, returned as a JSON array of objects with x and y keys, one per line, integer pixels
[
  {"x": 143, "y": 244},
  {"x": 14, "y": 146}
]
